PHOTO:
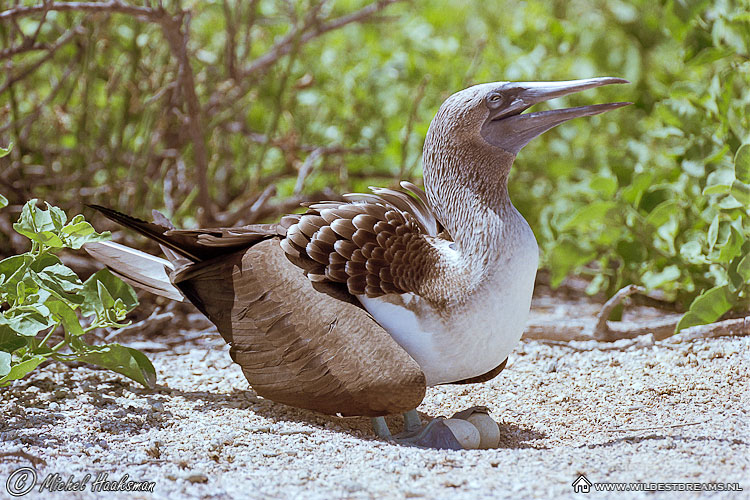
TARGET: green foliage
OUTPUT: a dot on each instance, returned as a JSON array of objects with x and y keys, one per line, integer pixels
[
  {"x": 655, "y": 194},
  {"x": 3, "y": 199},
  {"x": 667, "y": 204},
  {"x": 40, "y": 294}
]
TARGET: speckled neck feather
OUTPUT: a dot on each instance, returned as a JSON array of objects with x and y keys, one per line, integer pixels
[{"x": 466, "y": 182}]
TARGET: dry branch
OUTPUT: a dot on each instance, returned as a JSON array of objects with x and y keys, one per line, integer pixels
[
  {"x": 305, "y": 170},
  {"x": 65, "y": 38},
  {"x": 738, "y": 327},
  {"x": 602, "y": 330},
  {"x": 25, "y": 46},
  {"x": 31, "y": 116},
  {"x": 177, "y": 39},
  {"x": 112, "y": 6},
  {"x": 310, "y": 29},
  {"x": 172, "y": 27},
  {"x": 410, "y": 127}
]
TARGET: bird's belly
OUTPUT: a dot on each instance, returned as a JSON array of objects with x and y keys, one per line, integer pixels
[{"x": 466, "y": 341}]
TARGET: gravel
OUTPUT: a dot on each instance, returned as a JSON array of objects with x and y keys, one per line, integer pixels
[{"x": 642, "y": 412}]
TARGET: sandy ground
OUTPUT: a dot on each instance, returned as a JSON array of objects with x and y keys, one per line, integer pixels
[{"x": 642, "y": 412}]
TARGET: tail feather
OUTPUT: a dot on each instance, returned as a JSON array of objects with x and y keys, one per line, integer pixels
[
  {"x": 137, "y": 268},
  {"x": 197, "y": 245},
  {"x": 183, "y": 249},
  {"x": 184, "y": 246}
]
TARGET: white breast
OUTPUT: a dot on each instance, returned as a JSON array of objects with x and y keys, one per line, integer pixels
[{"x": 474, "y": 337}]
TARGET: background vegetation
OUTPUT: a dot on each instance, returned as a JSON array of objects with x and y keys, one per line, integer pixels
[{"x": 228, "y": 111}]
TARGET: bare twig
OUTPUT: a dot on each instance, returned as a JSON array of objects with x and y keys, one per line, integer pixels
[
  {"x": 410, "y": 126},
  {"x": 294, "y": 44},
  {"x": 31, "y": 116},
  {"x": 739, "y": 327},
  {"x": 155, "y": 320},
  {"x": 256, "y": 207},
  {"x": 264, "y": 208},
  {"x": 305, "y": 169},
  {"x": 22, "y": 454},
  {"x": 172, "y": 28},
  {"x": 252, "y": 10},
  {"x": 333, "y": 149},
  {"x": 25, "y": 46},
  {"x": 65, "y": 38},
  {"x": 111, "y": 6},
  {"x": 303, "y": 33},
  {"x": 656, "y": 303},
  {"x": 177, "y": 39},
  {"x": 656, "y": 427},
  {"x": 662, "y": 329},
  {"x": 251, "y": 206},
  {"x": 230, "y": 52},
  {"x": 602, "y": 330},
  {"x": 582, "y": 329}
]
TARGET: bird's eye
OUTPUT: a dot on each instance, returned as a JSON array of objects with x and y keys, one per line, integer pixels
[{"x": 495, "y": 99}]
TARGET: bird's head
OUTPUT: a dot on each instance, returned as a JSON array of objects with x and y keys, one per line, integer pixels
[
  {"x": 492, "y": 114},
  {"x": 474, "y": 138}
]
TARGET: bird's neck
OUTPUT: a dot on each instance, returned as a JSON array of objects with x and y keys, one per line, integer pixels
[{"x": 469, "y": 195}]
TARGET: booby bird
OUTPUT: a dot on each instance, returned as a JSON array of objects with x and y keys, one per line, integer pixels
[{"x": 356, "y": 307}]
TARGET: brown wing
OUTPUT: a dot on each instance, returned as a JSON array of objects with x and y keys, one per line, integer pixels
[
  {"x": 298, "y": 346},
  {"x": 375, "y": 244}
]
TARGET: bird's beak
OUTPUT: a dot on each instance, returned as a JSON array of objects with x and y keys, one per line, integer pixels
[{"x": 510, "y": 130}]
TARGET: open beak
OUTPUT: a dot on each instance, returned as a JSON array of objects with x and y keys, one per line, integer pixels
[{"x": 509, "y": 129}]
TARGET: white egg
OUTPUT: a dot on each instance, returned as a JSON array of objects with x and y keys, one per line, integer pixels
[
  {"x": 466, "y": 433},
  {"x": 489, "y": 431}
]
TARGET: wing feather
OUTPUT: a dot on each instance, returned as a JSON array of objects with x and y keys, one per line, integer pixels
[{"x": 376, "y": 244}]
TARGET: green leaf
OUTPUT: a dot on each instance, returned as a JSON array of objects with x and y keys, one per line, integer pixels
[
  {"x": 67, "y": 316},
  {"x": 124, "y": 360},
  {"x": 719, "y": 181},
  {"x": 713, "y": 232},
  {"x": 38, "y": 225},
  {"x": 599, "y": 282},
  {"x": 653, "y": 280},
  {"x": 79, "y": 232},
  {"x": 732, "y": 247},
  {"x": 741, "y": 192},
  {"x": 743, "y": 268},
  {"x": 634, "y": 192},
  {"x": 27, "y": 320},
  {"x": 57, "y": 216},
  {"x": 12, "y": 270},
  {"x": 707, "y": 307},
  {"x": 115, "y": 289},
  {"x": 5, "y": 358},
  {"x": 20, "y": 292},
  {"x": 104, "y": 296},
  {"x": 45, "y": 260},
  {"x": 729, "y": 202},
  {"x": 3, "y": 201},
  {"x": 5, "y": 151},
  {"x": 564, "y": 258},
  {"x": 588, "y": 215},
  {"x": 742, "y": 164},
  {"x": 663, "y": 212},
  {"x": 21, "y": 369},
  {"x": 692, "y": 252},
  {"x": 10, "y": 340},
  {"x": 605, "y": 186},
  {"x": 62, "y": 281}
]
